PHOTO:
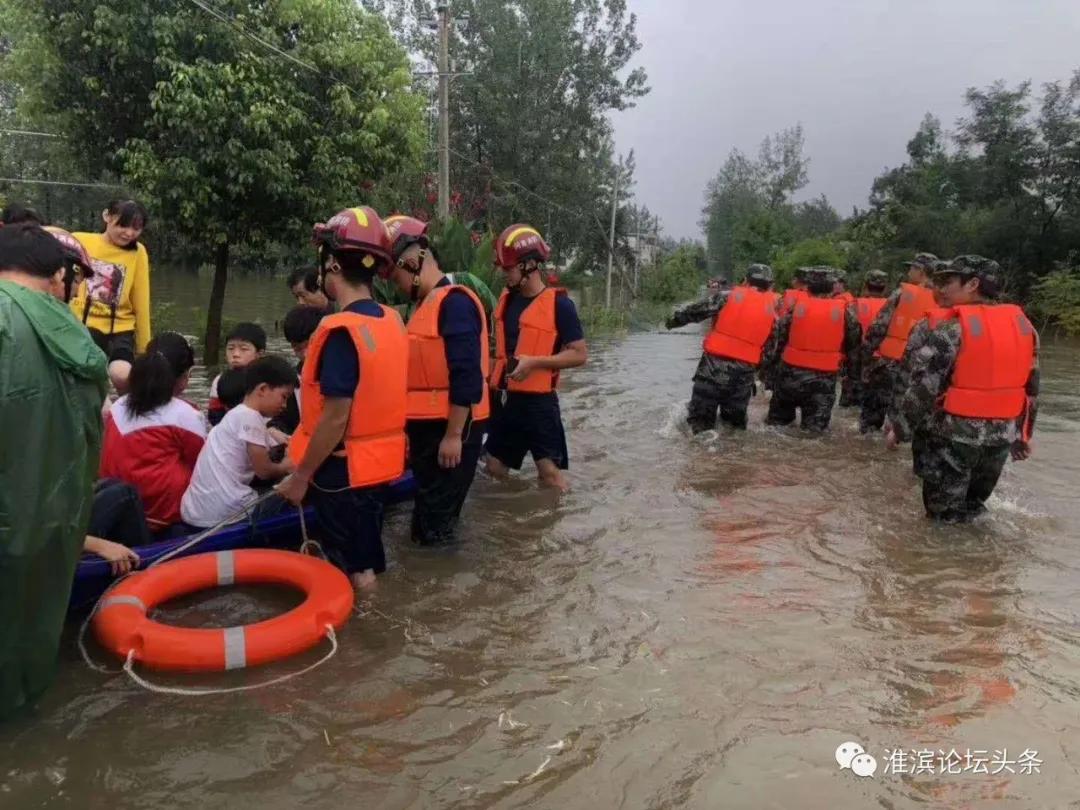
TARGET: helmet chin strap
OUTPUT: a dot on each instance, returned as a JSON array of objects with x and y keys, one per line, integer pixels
[
  {"x": 414, "y": 291},
  {"x": 69, "y": 280}
]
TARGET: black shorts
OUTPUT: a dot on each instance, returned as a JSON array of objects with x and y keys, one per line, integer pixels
[
  {"x": 117, "y": 346},
  {"x": 527, "y": 423}
]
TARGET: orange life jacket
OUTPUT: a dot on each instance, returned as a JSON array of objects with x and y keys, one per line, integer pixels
[
  {"x": 915, "y": 304},
  {"x": 846, "y": 297},
  {"x": 816, "y": 339},
  {"x": 429, "y": 375},
  {"x": 867, "y": 309},
  {"x": 375, "y": 436},
  {"x": 791, "y": 297},
  {"x": 536, "y": 338},
  {"x": 743, "y": 325},
  {"x": 997, "y": 347}
]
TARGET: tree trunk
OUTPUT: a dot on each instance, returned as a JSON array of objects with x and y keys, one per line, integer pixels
[{"x": 217, "y": 303}]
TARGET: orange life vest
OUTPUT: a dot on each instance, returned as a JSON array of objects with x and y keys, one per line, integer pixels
[
  {"x": 536, "y": 338},
  {"x": 867, "y": 309},
  {"x": 915, "y": 304},
  {"x": 375, "y": 436},
  {"x": 846, "y": 297},
  {"x": 791, "y": 297},
  {"x": 997, "y": 347},
  {"x": 429, "y": 375},
  {"x": 743, "y": 325},
  {"x": 816, "y": 339}
]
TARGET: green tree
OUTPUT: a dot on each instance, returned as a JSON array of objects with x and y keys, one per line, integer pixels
[{"x": 240, "y": 122}]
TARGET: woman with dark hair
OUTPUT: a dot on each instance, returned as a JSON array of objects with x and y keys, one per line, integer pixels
[
  {"x": 115, "y": 302},
  {"x": 152, "y": 436}
]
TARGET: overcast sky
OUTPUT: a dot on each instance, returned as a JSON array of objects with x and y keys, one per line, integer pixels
[{"x": 858, "y": 74}]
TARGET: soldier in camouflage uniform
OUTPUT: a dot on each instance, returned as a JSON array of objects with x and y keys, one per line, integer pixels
[
  {"x": 811, "y": 391},
  {"x": 873, "y": 288},
  {"x": 878, "y": 374},
  {"x": 720, "y": 382},
  {"x": 848, "y": 380},
  {"x": 960, "y": 458}
]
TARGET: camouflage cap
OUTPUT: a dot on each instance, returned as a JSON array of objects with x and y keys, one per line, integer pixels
[
  {"x": 838, "y": 274},
  {"x": 800, "y": 273},
  {"x": 924, "y": 260},
  {"x": 971, "y": 265},
  {"x": 759, "y": 272},
  {"x": 819, "y": 273}
]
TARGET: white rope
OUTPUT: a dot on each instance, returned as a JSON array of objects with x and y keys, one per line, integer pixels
[
  {"x": 234, "y": 518},
  {"x": 129, "y": 668}
]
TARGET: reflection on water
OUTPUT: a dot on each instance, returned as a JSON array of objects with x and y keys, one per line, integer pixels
[{"x": 698, "y": 624}]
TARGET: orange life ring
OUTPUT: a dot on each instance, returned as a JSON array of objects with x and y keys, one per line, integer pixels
[{"x": 122, "y": 625}]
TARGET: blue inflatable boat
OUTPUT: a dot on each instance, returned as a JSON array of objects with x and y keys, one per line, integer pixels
[{"x": 93, "y": 575}]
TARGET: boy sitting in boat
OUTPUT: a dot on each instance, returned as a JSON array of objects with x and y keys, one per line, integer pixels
[
  {"x": 245, "y": 343},
  {"x": 238, "y": 450}
]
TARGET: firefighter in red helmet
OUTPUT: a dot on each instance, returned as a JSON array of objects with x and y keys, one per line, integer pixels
[
  {"x": 537, "y": 335},
  {"x": 351, "y": 438}
]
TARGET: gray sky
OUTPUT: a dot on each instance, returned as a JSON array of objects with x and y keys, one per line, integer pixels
[{"x": 858, "y": 74}]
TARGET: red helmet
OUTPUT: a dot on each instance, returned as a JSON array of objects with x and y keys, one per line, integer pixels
[
  {"x": 357, "y": 229},
  {"x": 405, "y": 231},
  {"x": 74, "y": 252},
  {"x": 520, "y": 243}
]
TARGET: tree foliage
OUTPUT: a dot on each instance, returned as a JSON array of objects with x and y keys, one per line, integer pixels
[
  {"x": 749, "y": 215},
  {"x": 530, "y": 128}
]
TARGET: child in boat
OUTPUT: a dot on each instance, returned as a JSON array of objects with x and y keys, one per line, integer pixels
[
  {"x": 245, "y": 343},
  {"x": 152, "y": 436},
  {"x": 116, "y": 513},
  {"x": 299, "y": 325},
  {"x": 238, "y": 450}
]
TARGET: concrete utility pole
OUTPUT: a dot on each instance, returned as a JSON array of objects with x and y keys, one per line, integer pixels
[
  {"x": 611, "y": 235},
  {"x": 637, "y": 251},
  {"x": 443, "y": 10}
]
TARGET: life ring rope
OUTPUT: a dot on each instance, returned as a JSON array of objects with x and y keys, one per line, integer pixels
[{"x": 129, "y": 669}]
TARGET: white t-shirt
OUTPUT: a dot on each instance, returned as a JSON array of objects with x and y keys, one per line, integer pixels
[{"x": 221, "y": 484}]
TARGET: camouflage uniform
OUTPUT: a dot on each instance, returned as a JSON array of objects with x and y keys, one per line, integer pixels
[
  {"x": 720, "y": 383},
  {"x": 812, "y": 392},
  {"x": 878, "y": 373},
  {"x": 959, "y": 459}
]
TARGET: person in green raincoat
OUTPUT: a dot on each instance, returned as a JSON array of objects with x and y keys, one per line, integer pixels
[{"x": 52, "y": 385}]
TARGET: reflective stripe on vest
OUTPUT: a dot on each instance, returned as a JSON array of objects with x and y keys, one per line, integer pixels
[
  {"x": 429, "y": 375},
  {"x": 791, "y": 297},
  {"x": 867, "y": 309},
  {"x": 537, "y": 335},
  {"x": 816, "y": 339},
  {"x": 997, "y": 348},
  {"x": 914, "y": 305},
  {"x": 375, "y": 435},
  {"x": 743, "y": 325}
]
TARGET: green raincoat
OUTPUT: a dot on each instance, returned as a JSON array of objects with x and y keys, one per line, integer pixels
[{"x": 52, "y": 385}]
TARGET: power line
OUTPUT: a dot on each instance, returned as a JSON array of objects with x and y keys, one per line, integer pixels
[
  {"x": 31, "y": 133},
  {"x": 33, "y": 182}
]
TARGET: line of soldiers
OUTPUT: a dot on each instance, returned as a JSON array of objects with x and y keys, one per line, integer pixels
[{"x": 941, "y": 363}]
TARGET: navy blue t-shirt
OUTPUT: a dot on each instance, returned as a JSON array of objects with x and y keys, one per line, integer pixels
[
  {"x": 339, "y": 366},
  {"x": 460, "y": 327}
]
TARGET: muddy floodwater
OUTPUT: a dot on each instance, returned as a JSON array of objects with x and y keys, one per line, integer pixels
[{"x": 700, "y": 623}]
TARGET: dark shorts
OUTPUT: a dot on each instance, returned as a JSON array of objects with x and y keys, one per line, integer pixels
[
  {"x": 527, "y": 423},
  {"x": 117, "y": 346},
  {"x": 350, "y": 527}
]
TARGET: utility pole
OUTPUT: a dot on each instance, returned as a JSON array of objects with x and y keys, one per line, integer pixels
[
  {"x": 443, "y": 10},
  {"x": 637, "y": 251},
  {"x": 611, "y": 235}
]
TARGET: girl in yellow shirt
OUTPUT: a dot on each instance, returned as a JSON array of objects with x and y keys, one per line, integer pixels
[{"x": 115, "y": 302}]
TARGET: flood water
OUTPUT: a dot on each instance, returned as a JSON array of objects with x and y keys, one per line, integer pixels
[{"x": 699, "y": 623}]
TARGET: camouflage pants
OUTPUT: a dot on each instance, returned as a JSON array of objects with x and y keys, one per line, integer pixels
[
  {"x": 720, "y": 384},
  {"x": 851, "y": 392},
  {"x": 813, "y": 393},
  {"x": 876, "y": 396},
  {"x": 957, "y": 478}
]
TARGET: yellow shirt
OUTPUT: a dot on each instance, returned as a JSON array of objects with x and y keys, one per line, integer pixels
[{"x": 118, "y": 294}]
